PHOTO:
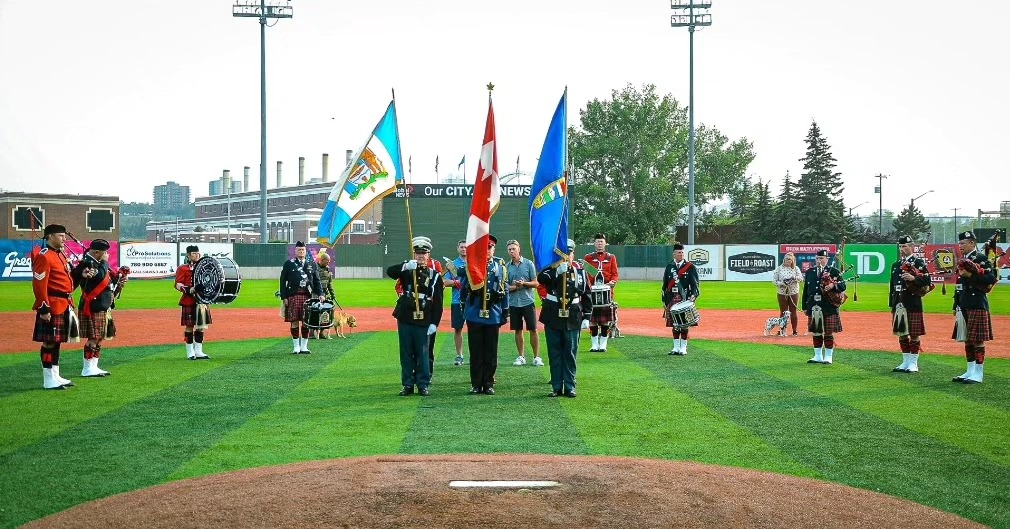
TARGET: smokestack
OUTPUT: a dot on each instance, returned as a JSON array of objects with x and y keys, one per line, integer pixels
[
  {"x": 347, "y": 157},
  {"x": 301, "y": 170},
  {"x": 326, "y": 167},
  {"x": 279, "y": 164},
  {"x": 245, "y": 178},
  {"x": 226, "y": 181}
]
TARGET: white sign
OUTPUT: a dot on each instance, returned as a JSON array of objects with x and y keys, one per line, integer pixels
[
  {"x": 869, "y": 263},
  {"x": 149, "y": 259},
  {"x": 212, "y": 249},
  {"x": 707, "y": 259},
  {"x": 751, "y": 262}
]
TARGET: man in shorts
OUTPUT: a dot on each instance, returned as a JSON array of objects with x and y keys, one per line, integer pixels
[{"x": 522, "y": 312}]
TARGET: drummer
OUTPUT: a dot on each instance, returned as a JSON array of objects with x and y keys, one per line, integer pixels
[
  {"x": 299, "y": 283},
  {"x": 603, "y": 316},
  {"x": 680, "y": 283},
  {"x": 195, "y": 316}
]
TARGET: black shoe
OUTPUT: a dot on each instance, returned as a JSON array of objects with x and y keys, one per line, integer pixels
[
  {"x": 489, "y": 391},
  {"x": 407, "y": 390},
  {"x": 305, "y": 352},
  {"x": 969, "y": 381},
  {"x": 571, "y": 394},
  {"x": 475, "y": 390},
  {"x": 424, "y": 392},
  {"x": 554, "y": 394},
  {"x": 958, "y": 379}
]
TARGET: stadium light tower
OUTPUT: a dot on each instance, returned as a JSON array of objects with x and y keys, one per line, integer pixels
[
  {"x": 262, "y": 10},
  {"x": 690, "y": 14}
]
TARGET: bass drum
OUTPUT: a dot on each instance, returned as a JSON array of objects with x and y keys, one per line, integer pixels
[{"x": 216, "y": 280}]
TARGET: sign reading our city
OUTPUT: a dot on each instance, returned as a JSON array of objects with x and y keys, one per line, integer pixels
[{"x": 455, "y": 190}]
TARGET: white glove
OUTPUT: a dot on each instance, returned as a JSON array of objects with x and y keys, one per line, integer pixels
[
  {"x": 410, "y": 265},
  {"x": 180, "y": 287},
  {"x": 562, "y": 268},
  {"x": 431, "y": 329},
  {"x": 585, "y": 324}
]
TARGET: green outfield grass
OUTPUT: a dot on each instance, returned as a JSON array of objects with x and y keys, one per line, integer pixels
[
  {"x": 157, "y": 294},
  {"x": 160, "y": 418}
]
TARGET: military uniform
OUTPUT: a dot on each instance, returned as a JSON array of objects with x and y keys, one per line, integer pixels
[
  {"x": 823, "y": 319},
  {"x": 417, "y": 317},
  {"x": 905, "y": 300},
  {"x": 680, "y": 283},
  {"x": 565, "y": 290},
  {"x": 195, "y": 316},
  {"x": 53, "y": 288},
  {"x": 602, "y": 317},
  {"x": 483, "y": 330},
  {"x": 972, "y": 300},
  {"x": 96, "y": 300},
  {"x": 299, "y": 282}
]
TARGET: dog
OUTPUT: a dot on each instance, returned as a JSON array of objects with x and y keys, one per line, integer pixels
[
  {"x": 341, "y": 320},
  {"x": 782, "y": 322}
]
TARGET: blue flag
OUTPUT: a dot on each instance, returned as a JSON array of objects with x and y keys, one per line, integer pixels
[
  {"x": 376, "y": 170},
  {"x": 549, "y": 194}
]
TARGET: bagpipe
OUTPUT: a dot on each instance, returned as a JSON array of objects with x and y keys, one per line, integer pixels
[
  {"x": 829, "y": 285},
  {"x": 912, "y": 286},
  {"x": 992, "y": 253}
]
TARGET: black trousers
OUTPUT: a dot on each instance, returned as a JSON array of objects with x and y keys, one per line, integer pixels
[{"x": 483, "y": 343}]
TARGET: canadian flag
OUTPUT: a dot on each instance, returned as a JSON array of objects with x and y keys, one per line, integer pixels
[{"x": 486, "y": 196}]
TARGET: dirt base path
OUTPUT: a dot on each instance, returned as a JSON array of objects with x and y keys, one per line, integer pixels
[
  {"x": 863, "y": 330},
  {"x": 414, "y": 491}
]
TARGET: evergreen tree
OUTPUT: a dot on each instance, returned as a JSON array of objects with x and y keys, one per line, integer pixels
[
  {"x": 820, "y": 216},
  {"x": 786, "y": 213},
  {"x": 911, "y": 222},
  {"x": 760, "y": 220}
]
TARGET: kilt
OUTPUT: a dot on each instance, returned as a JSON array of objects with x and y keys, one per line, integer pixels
[
  {"x": 294, "y": 308},
  {"x": 669, "y": 317},
  {"x": 189, "y": 316},
  {"x": 93, "y": 327},
  {"x": 833, "y": 323},
  {"x": 55, "y": 330},
  {"x": 602, "y": 316},
  {"x": 979, "y": 325},
  {"x": 916, "y": 324}
]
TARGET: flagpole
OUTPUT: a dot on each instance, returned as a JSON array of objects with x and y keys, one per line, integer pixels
[
  {"x": 568, "y": 254},
  {"x": 487, "y": 285},
  {"x": 410, "y": 229}
]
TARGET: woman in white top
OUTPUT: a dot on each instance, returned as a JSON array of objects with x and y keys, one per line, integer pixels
[{"x": 787, "y": 279}]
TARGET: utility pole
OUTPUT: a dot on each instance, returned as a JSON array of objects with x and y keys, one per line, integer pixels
[
  {"x": 260, "y": 9},
  {"x": 880, "y": 209},
  {"x": 955, "y": 224}
]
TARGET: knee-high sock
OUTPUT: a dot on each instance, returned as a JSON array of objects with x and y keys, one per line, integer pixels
[
  {"x": 914, "y": 346},
  {"x": 46, "y": 355},
  {"x": 818, "y": 341},
  {"x": 969, "y": 351},
  {"x": 903, "y": 342},
  {"x": 294, "y": 332},
  {"x": 189, "y": 336},
  {"x": 198, "y": 336},
  {"x": 305, "y": 332},
  {"x": 979, "y": 354},
  {"x": 89, "y": 351},
  {"x": 829, "y": 341}
]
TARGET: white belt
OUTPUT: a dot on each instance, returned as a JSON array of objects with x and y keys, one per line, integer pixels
[
  {"x": 554, "y": 298},
  {"x": 419, "y": 296}
]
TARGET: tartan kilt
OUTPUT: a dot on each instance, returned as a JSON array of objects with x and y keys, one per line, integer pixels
[
  {"x": 189, "y": 316},
  {"x": 979, "y": 325},
  {"x": 602, "y": 316},
  {"x": 294, "y": 308},
  {"x": 93, "y": 327},
  {"x": 55, "y": 330},
  {"x": 916, "y": 324},
  {"x": 832, "y": 323}
]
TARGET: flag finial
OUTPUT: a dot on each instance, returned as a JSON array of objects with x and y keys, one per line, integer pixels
[{"x": 490, "y": 86}]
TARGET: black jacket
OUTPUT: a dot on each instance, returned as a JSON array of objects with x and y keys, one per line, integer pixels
[
  {"x": 295, "y": 277},
  {"x": 429, "y": 299},
  {"x": 104, "y": 300},
  {"x": 683, "y": 278},
  {"x": 900, "y": 291},
  {"x": 970, "y": 292},
  {"x": 577, "y": 293},
  {"x": 812, "y": 294}
]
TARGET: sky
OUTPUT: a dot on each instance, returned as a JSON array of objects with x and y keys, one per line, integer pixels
[{"x": 116, "y": 97}]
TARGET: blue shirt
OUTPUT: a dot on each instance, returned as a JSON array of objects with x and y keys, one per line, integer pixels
[{"x": 460, "y": 264}]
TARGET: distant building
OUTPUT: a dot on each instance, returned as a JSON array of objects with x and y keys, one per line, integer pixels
[
  {"x": 171, "y": 196},
  {"x": 218, "y": 187},
  {"x": 86, "y": 216}
]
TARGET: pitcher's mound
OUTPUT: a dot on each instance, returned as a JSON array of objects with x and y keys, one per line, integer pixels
[{"x": 414, "y": 491}]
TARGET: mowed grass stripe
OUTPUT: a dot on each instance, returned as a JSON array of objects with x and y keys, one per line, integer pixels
[
  {"x": 143, "y": 442},
  {"x": 971, "y": 426},
  {"x": 842, "y": 443},
  {"x": 345, "y": 407},
  {"x": 519, "y": 418},
  {"x": 54, "y": 411},
  {"x": 625, "y": 409}
]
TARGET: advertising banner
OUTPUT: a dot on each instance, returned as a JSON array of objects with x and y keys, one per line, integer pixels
[
  {"x": 708, "y": 260},
  {"x": 149, "y": 260},
  {"x": 872, "y": 262},
  {"x": 213, "y": 249},
  {"x": 751, "y": 262},
  {"x": 941, "y": 260},
  {"x": 1003, "y": 264},
  {"x": 17, "y": 263},
  {"x": 79, "y": 249},
  {"x": 805, "y": 253}
]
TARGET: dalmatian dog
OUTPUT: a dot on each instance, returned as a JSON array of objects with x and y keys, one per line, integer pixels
[{"x": 782, "y": 322}]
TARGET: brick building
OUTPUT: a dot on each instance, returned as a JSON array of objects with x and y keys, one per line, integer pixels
[{"x": 86, "y": 216}]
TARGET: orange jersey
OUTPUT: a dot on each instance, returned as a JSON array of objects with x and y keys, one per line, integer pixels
[
  {"x": 605, "y": 262},
  {"x": 51, "y": 281}
]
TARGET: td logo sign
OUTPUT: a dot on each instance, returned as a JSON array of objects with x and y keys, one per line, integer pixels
[{"x": 872, "y": 262}]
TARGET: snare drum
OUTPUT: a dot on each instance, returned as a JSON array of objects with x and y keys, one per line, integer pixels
[
  {"x": 318, "y": 314},
  {"x": 602, "y": 295},
  {"x": 684, "y": 314},
  {"x": 216, "y": 280}
]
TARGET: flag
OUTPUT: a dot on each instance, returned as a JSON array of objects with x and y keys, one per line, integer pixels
[
  {"x": 374, "y": 173},
  {"x": 436, "y": 164},
  {"x": 486, "y": 196},
  {"x": 461, "y": 162},
  {"x": 410, "y": 164},
  {"x": 549, "y": 194}
]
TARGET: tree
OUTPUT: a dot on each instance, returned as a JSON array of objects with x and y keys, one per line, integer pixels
[
  {"x": 820, "y": 214},
  {"x": 759, "y": 222},
  {"x": 631, "y": 166},
  {"x": 911, "y": 222}
]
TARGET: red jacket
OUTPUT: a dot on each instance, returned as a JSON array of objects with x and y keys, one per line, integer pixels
[
  {"x": 184, "y": 275},
  {"x": 51, "y": 281},
  {"x": 605, "y": 262}
]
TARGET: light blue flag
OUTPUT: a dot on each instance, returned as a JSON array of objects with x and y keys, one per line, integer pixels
[
  {"x": 549, "y": 194},
  {"x": 376, "y": 170}
]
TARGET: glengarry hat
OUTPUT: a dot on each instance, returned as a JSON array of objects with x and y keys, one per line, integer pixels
[
  {"x": 966, "y": 236},
  {"x": 53, "y": 229},
  {"x": 100, "y": 245},
  {"x": 905, "y": 239},
  {"x": 821, "y": 253},
  {"x": 192, "y": 248}
]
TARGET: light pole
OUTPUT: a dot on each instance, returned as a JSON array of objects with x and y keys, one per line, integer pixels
[
  {"x": 880, "y": 210},
  {"x": 854, "y": 207},
  {"x": 260, "y": 9},
  {"x": 686, "y": 16},
  {"x": 955, "y": 224},
  {"x": 912, "y": 203}
]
